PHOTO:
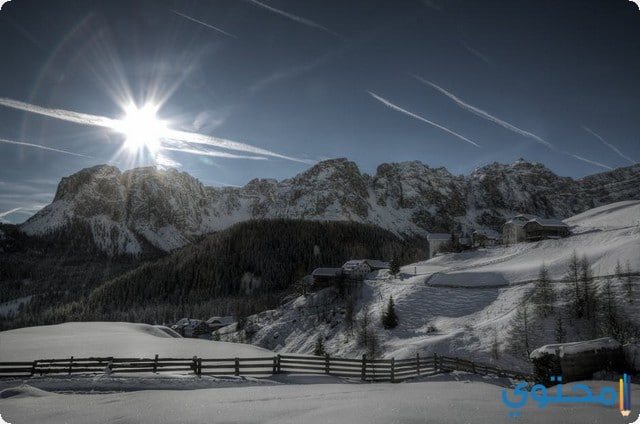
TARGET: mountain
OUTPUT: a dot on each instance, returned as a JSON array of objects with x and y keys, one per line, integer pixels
[{"x": 147, "y": 209}]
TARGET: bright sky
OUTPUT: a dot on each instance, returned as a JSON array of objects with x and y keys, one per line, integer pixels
[{"x": 232, "y": 90}]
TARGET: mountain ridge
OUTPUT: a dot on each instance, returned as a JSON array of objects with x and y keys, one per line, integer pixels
[{"x": 127, "y": 211}]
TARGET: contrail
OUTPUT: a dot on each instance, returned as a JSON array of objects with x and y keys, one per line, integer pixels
[
  {"x": 38, "y": 146},
  {"x": 293, "y": 17},
  {"x": 114, "y": 124},
  {"x": 589, "y": 161},
  {"x": 65, "y": 115},
  {"x": 484, "y": 114},
  {"x": 491, "y": 118},
  {"x": 413, "y": 115},
  {"x": 212, "y": 153},
  {"x": 9, "y": 212},
  {"x": 476, "y": 53},
  {"x": 609, "y": 145},
  {"x": 221, "y": 31}
]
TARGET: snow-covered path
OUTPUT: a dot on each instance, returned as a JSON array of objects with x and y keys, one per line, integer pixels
[{"x": 420, "y": 402}]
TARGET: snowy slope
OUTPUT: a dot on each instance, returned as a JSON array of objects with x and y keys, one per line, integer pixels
[
  {"x": 438, "y": 402},
  {"x": 167, "y": 209},
  {"x": 457, "y": 304},
  {"x": 100, "y": 339}
]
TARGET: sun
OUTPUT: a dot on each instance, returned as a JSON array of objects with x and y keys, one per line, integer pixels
[{"x": 142, "y": 129}]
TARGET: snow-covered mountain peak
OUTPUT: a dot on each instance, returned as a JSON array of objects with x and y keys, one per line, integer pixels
[{"x": 125, "y": 211}]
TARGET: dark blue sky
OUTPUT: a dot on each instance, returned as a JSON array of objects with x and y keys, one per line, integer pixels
[{"x": 299, "y": 84}]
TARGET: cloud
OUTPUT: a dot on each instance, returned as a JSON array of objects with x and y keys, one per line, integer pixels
[
  {"x": 609, "y": 145},
  {"x": 420, "y": 118},
  {"x": 483, "y": 114},
  {"x": 221, "y": 31},
  {"x": 296, "y": 18},
  {"x": 114, "y": 124},
  {"x": 38, "y": 146}
]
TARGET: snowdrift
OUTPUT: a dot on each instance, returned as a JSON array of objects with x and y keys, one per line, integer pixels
[{"x": 87, "y": 339}]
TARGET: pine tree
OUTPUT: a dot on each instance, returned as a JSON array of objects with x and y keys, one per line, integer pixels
[
  {"x": 560, "y": 332},
  {"x": 544, "y": 295},
  {"x": 319, "y": 348},
  {"x": 575, "y": 294},
  {"x": 389, "y": 317},
  {"x": 589, "y": 291},
  {"x": 394, "y": 266},
  {"x": 628, "y": 283},
  {"x": 495, "y": 346},
  {"x": 610, "y": 324},
  {"x": 618, "y": 270},
  {"x": 520, "y": 334},
  {"x": 363, "y": 328}
]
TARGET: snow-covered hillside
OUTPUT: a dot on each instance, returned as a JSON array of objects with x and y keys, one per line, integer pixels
[
  {"x": 100, "y": 339},
  {"x": 457, "y": 304},
  {"x": 122, "y": 212}
]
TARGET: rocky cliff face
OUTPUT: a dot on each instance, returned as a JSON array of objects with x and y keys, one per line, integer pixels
[{"x": 127, "y": 212}]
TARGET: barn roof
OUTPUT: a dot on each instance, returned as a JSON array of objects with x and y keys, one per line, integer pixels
[
  {"x": 549, "y": 222},
  {"x": 438, "y": 236}
]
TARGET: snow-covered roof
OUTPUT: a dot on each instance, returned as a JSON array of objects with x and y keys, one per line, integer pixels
[
  {"x": 521, "y": 219},
  {"x": 574, "y": 348},
  {"x": 438, "y": 236},
  {"x": 221, "y": 320},
  {"x": 548, "y": 222},
  {"x": 326, "y": 272},
  {"x": 376, "y": 264}
]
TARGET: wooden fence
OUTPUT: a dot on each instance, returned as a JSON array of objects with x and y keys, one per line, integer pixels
[{"x": 374, "y": 370}]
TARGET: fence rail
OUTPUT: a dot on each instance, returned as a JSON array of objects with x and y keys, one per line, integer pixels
[{"x": 375, "y": 370}]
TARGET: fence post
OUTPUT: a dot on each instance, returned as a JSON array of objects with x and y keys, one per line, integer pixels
[
  {"x": 393, "y": 364},
  {"x": 327, "y": 362},
  {"x": 33, "y": 367},
  {"x": 435, "y": 362},
  {"x": 275, "y": 365},
  {"x": 194, "y": 364},
  {"x": 279, "y": 364},
  {"x": 70, "y": 365},
  {"x": 418, "y": 363},
  {"x": 199, "y": 367},
  {"x": 363, "y": 375},
  {"x": 237, "y": 371},
  {"x": 155, "y": 363}
]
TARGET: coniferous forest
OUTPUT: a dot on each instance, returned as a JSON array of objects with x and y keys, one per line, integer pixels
[{"x": 247, "y": 268}]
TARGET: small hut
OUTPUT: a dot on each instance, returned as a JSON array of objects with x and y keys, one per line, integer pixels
[{"x": 578, "y": 360}]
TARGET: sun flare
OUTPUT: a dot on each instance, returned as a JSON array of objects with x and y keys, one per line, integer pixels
[{"x": 142, "y": 128}]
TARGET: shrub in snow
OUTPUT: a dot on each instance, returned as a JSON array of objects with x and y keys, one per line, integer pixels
[{"x": 319, "y": 348}]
